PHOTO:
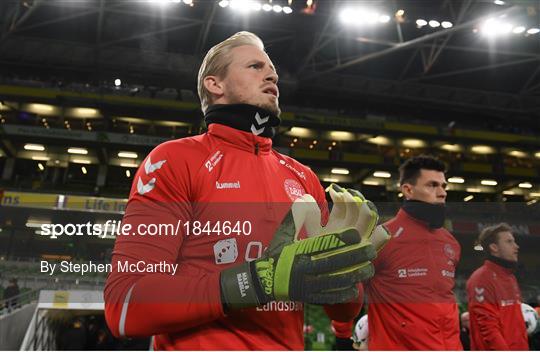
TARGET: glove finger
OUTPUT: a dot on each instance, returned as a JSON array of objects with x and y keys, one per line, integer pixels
[
  {"x": 337, "y": 214},
  {"x": 353, "y": 255},
  {"x": 332, "y": 281},
  {"x": 335, "y": 297},
  {"x": 380, "y": 237},
  {"x": 307, "y": 213},
  {"x": 352, "y": 210},
  {"x": 368, "y": 216},
  {"x": 284, "y": 235}
]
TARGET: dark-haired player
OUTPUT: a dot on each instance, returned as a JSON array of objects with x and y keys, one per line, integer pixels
[{"x": 411, "y": 303}]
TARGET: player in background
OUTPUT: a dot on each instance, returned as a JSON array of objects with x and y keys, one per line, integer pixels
[{"x": 494, "y": 296}]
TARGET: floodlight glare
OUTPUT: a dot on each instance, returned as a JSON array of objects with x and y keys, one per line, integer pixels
[
  {"x": 118, "y": 82},
  {"x": 446, "y": 24},
  {"x": 499, "y": 2},
  {"x": 287, "y": 10},
  {"x": 434, "y": 23},
  {"x": 224, "y": 3},
  {"x": 267, "y": 7},
  {"x": 421, "y": 23},
  {"x": 518, "y": 30},
  {"x": 384, "y": 18},
  {"x": 255, "y": 6},
  {"x": 277, "y": 8},
  {"x": 533, "y": 31}
]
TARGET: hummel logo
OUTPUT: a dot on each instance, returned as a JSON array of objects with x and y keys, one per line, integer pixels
[
  {"x": 145, "y": 188},
  {"x": 260, "y": 121},
  {"x": 149, "y": 167},
  {"x": 480, "y": 298},
  {"x": 479, "y": 290}
]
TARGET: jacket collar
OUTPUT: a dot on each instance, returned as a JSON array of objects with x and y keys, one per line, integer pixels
[
  {"x": 498, "y": 268},
  {"x": 240, "y": 139}
]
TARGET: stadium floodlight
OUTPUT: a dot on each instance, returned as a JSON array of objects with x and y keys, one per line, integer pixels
[
  {"x": 80, "y": 151},
  {"x": 128, "y": 173},
  {"x": 129, "y": 155},
  {"x": 132, "y": 165},
  {"x": 41, "y": 167},
  {"x": 223, "y": 3},
  {"x": 518, "y": 29},
  {"x": 447, "y": 24},
  {"x": 451, "y": 147},
  {"x": 287, "y": 10},
  {"x": 384, "y": 18},
  {"x": 468, "y": 198},
  {"x": 118, "y": 82},
  {"x": 187, "y": 2},
  {"x": 330, "y": 179},
  {"x": 34, "y": 147},
  {"x": 361, "y": 16},
  {"x": 517, "y": 154},
  {"x": 525, "y": 185},
  {"x": 382, "y": 174},
  {"x": 380, "y": 140},
  {"x": 493, "y": 27},
  {"x": 537, "y": 155},
  {"x": 434, "y": 24},
  {"x": 83, "y": 169},
  {"x": 267, "y": 7},
  {"x": 371, "y": 183},
  {"x": 421, "y": 23},
  {"x": 499, "y": 2},
  {"x": 339, "y": 171},
  {"x": 456, "y": 179},
  {"x": 256, "y": 6},
  {"x": 473, "y": 190},
  {"x": 533, "y": 30},
  {"x": 277, "y": 8},
  {"x": 482, "y": 149},
  {"x": 488, "y": 182},
  {"x": 413, "y": 143},
  {"x": 534, "y": 194},
  {"x": 81, "y": 161},
  {"x": 40, "y": 158}
]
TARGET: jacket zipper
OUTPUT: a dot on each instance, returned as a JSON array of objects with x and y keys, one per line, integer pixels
[{"x": 256, "y": 148}]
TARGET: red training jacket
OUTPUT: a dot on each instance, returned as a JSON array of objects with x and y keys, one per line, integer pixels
[
  {"x": 411, "y": 305},
  {"x": 495, "y": 309},
  {"x": 239, "y": 190}
]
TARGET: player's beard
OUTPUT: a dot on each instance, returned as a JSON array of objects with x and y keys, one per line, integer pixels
[{"x": 272, "y": 107}]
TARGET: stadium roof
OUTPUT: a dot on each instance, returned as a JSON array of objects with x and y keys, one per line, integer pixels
[{"x": 492, "y": 68}]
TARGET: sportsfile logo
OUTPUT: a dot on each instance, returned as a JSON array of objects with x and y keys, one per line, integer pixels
[{"x": 243, "y": 283}]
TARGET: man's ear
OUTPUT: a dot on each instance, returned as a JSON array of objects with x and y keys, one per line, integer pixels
[
  {"x": 493, "y": 248},
  {"x": 407, "y": 190},
  {"x": 214, "y": 85}
]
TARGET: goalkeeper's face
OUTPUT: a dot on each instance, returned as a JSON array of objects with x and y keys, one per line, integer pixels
[
  {"x": 430, "y": 187},
  {"x": 251, "y": 78}
]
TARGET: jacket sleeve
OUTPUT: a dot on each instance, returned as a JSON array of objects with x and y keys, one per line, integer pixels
[
  {"x": 144, "y": 302},
  {"x": 484, "y": 310}
]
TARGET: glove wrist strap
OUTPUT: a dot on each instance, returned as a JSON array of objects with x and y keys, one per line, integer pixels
[{"x": 239, "y": 287}]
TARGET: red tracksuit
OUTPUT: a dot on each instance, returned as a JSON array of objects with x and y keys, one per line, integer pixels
[
  {"x": 222, "y": 175},
  {"x": 495, "y": 309},
  {"x": 411, "y": 303}
]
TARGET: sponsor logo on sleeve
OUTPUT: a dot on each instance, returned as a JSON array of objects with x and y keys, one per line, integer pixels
[{"x": 211, "y": 163}]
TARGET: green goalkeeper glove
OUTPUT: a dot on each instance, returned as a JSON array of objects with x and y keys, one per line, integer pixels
[{"x": 319, "y": 270}]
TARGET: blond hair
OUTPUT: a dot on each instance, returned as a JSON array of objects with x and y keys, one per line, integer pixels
[{"x": 217, "y": 61}]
